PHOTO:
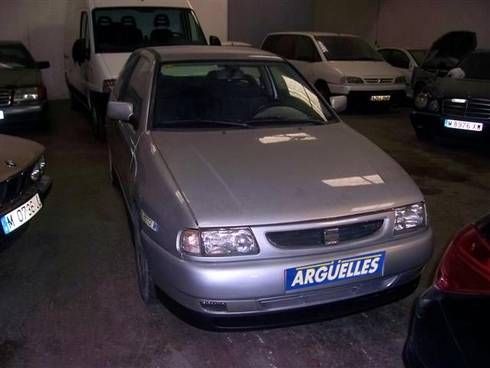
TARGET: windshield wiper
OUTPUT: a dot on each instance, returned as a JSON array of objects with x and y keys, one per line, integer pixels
[
  {"x": 197, "y": 123},
  {"x": 277, "y": 120}
]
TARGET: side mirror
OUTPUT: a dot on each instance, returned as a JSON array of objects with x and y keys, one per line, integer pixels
[
  {"x": 214, "y": 41},
  {"x": 79, "y": 53},
  {"x": 339, "y": 103},
  {"x": 43, "y": 64},
  {"x": 120, "y": 111}
]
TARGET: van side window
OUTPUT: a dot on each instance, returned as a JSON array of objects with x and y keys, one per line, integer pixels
[
  {"x": 137, "y": 87},
  {"x": 305, "y": 50},
  {"x": 270, "y": 44},
  {"x": 285, "y": 46}
]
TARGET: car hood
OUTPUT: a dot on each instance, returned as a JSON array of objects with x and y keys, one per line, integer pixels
[
  {"x": 272, "y": 176},
  {"x": 462, "y": 88},
  {"x": 21, "y": 151},
  {"x": 365, "y": 69},
  {"x": 11, "y": 78},
  {"x": 454, "y": 45},
  {"x": 114, "y": 63}
]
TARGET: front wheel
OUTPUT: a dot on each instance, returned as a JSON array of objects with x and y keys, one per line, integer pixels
[{"x": 147, "y": 288}]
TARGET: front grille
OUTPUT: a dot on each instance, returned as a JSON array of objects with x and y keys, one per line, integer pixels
[
  {"x": 378, "y": 80},
  {"x": 15, "y": 186},
  {"x": 5, "y": 97},
  {"x": 321, "y": 237},
  {"x": 476, "y": 108}
]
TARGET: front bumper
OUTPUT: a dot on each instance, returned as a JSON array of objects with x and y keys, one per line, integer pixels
[
  {"x": 361, "y": 93},
  {"x": 433, "y": 124},
  {"x": 258, "y": 287},
  {"x": 42, "y": 187},
  {"x": 20, "y": 115},
  {"x": 448, "y": 330}
]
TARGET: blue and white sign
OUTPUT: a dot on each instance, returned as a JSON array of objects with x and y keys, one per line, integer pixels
[{"x": 331, "y": 272}]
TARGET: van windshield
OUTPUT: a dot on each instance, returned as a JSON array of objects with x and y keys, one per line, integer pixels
[
  {"x": 347, "y": 48},
  {"x": 125, "y": 29}
]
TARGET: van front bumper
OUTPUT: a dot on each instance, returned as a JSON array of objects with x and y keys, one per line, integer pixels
[{"x": 258, "y": 287}]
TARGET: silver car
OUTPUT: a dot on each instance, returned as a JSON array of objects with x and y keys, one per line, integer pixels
[{"x": 246, "y": 192}]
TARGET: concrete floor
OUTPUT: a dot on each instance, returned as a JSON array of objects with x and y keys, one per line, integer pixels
[{"x": 68, "y": 293}]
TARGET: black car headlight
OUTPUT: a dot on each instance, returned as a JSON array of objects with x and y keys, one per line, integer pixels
[
  {"x": 38, "y": 169},
  {"x": 410, "y": 218},
  {"x": 26, "y": 95},
  {"x": 422, "y": 100},
  {"x": 218, "y": 242}
]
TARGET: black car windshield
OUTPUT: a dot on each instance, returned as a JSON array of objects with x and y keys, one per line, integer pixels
[
  {"x": 216, "y": 94},
  {"x": 15, "y": 57},
  {"x": 127, "y": 29},
  {"x": 347, "y": 48},
  {"x": 418, "y": 55},
  {"x": 476, "y": 66}
]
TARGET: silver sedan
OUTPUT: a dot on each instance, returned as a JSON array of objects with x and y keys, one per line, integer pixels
[{"x": 246, "y": 192}]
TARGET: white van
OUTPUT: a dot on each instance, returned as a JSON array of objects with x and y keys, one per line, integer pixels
[
  {"x": 101, "y": 34},
  {"x": 340, "y": 64}
]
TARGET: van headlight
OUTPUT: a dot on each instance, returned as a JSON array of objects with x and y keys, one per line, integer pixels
[
  {"x": 218, "y": 243},
  {"x": 410, "y": 218},
  {"x": 351, "y": 80}
]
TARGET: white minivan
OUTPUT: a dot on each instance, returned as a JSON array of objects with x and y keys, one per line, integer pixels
[
  {"x": 340, "y": 64},
  {"x": 101, "y": 34}
]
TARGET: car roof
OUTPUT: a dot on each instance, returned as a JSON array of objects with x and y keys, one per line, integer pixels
[
  {"x": 208, "y": 53},
  {"x": 314, "y": 34}
]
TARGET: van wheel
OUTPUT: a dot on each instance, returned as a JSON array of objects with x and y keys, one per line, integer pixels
[{"x": 147, "y": 288}]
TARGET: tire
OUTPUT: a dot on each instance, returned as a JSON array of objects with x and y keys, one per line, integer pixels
[{"x": 146, "y": 286}]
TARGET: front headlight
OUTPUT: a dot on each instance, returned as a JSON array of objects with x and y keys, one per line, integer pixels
[
  {"x": 352, "y": 80},
  {"x": 218, "y": 243},
  {"x": 25, "y": 95},
  {"x": 410, "y": 218},
  {"x": 401, "y": 80},
  {"x": 38, "y": 169},
  {"x": 422, "y": 100}
]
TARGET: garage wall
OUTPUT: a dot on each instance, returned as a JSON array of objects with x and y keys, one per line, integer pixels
[
  {"x": 251, "y": 20},
  {"x": 415, "y": 23},
  {"x": 40, "y": 23}
]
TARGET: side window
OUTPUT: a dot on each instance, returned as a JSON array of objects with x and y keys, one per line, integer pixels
[
  {"x": 84, "y": 29},
  {"x": 137, "y": 87},
  {"x": 400, "y": 60},
  {"x": 285, "y": 46},
  {"x": 305, "y": 49}
]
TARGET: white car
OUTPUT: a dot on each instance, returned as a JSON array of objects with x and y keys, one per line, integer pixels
[
  {"x": 101, "y": 34},
  {"x": 405, "y": 61},
  {"x": 340, "y": 64}
]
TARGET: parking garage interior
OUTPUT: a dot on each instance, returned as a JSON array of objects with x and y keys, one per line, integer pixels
[{"x": 68, "y": 282}]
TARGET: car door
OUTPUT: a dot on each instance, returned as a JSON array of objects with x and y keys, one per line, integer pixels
[
  {"x": 79, "y": 70},
  {"x": 305, "y": 55},
  {"x": 135, "y": 90}
]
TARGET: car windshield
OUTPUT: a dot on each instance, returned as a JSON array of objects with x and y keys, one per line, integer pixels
[
  {"x": 347, "y": 48},
  {"x": 127, "y": 29},
  {"x": 418, "y": 55},
  {"x": 15, "y": 57},
  {"x": 235, "y": 94},
  {"x": 476, "y": 65}
]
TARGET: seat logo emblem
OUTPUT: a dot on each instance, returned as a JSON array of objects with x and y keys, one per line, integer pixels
[{"x": 331, "y": 236}]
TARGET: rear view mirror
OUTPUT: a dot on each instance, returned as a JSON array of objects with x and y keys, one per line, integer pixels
[
  {"x": 120, "y": 111},
  {"x": 338, "y": 103},
  {"x": 43, "y": 64},
  {"x": 214, "y": 41}
]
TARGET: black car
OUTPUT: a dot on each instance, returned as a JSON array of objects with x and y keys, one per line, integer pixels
[
  {"x": 23, "y": 184},
  {"x": 23, "y": 97},
  {"x": 451, "y": 320}
]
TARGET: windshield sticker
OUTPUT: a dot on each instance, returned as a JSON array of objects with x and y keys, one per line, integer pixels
[
  {"x": 284, "y": 138},
  {"x": 297, "y": 90},
  {"x": 354, "y": 181}
]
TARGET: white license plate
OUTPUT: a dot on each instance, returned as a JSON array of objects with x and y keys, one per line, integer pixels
[
  {"x": 463, "y": 125},
  {"x": 21, "y": 215},
  {"x": 383, "y": 98},
  {"x": 2, "y": 116}
]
